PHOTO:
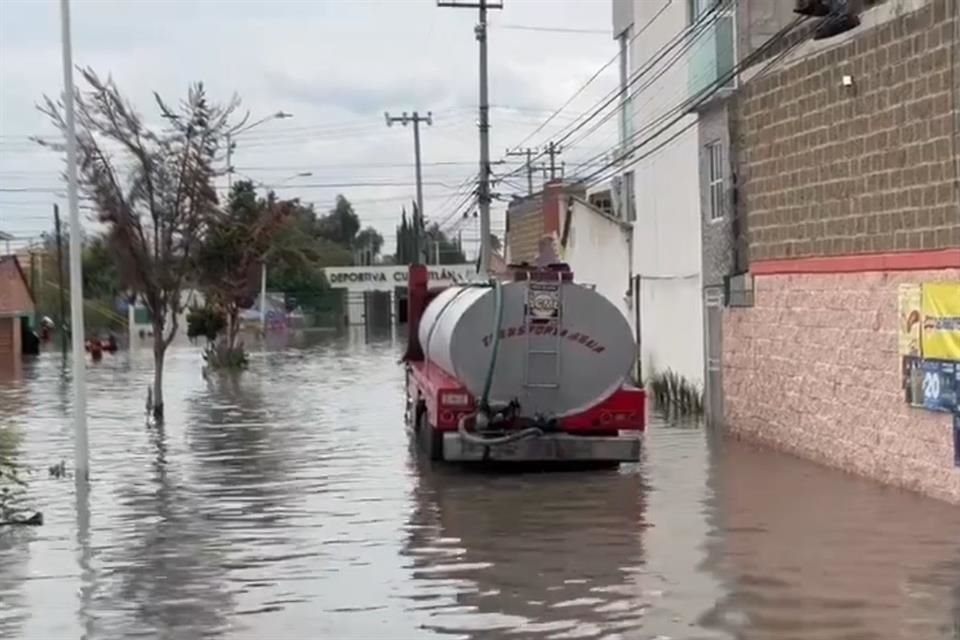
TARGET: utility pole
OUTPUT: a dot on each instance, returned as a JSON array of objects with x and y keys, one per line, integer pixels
[
  {"x": 81, "y": 444},
  {"x": 483, "y": 189},
  {"x": 624, "y": 195},
  {"x": 416, "y": 118},
  {"x": 528, "y": 153},
  {"x": 553, "y": 150},
  {"x": 63, "y": 302}
]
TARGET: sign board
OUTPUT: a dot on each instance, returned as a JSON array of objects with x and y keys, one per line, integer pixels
[
  {"x": 941, "y": 320},
  {"x": 931, "y": 384},
  {"x": 389, "y": 277},
  {"x": 910, "y": 316}
]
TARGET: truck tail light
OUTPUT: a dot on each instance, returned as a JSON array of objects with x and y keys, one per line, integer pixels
[{"x": 455, "y": 400}]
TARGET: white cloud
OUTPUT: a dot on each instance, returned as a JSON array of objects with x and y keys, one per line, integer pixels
[{"x": 337, "y": 65}]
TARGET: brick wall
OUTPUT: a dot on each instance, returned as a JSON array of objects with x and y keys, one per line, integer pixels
[
  {"x": 525, "y": 232},
  {"x": 826, "y": 170},
  {"x": 14, "y": 293},
  {"x": 813, "y": 368}
]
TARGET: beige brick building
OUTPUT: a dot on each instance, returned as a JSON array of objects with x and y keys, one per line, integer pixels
[{"x": 844, "y": 182}]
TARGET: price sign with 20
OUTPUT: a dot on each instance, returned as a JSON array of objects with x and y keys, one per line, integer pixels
[{"x": 939, "y": 385}]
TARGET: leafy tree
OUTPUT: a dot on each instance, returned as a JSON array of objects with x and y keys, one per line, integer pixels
[
  {"x": 341, "y": 224},
  {"x": 367, "y": 246},
  {"x": 101, "y": 278},
  {"x": 433, "y": 242},
  {"x": 299, "y": 255},
  {"x": 369, "y": 239},
  {"x": 410, "y": 237},
  {"x": 228, "y": 260},
  {"x": 207, "y": 321},
  {"x": 155, "y": 194}
]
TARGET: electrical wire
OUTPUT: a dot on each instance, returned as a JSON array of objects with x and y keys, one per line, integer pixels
[
  {"x": 675, "y": 41},
  {"x": 682, "y": 110}
]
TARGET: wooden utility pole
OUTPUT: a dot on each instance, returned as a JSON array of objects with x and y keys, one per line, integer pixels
[
  {"x": 416, "y": 118},
  {"x": 528, "y": 153},
  {"x": 553, "y": 150},
  {"x": 483, "y": 186},
  {"x": 63, "y": 300}
]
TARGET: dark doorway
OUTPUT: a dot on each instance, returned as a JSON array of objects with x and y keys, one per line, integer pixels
[{"x": 29, "y": 340}]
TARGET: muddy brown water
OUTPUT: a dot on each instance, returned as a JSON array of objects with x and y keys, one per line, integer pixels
[{"x": 288, "y": 505}]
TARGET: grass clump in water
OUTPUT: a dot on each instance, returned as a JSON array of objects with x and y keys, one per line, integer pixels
[{"x": 675, "y": 394}]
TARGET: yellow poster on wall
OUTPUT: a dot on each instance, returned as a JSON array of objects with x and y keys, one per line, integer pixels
[
  {"x": 910, "y": 315},
  {"x": 940, "y": 338}
]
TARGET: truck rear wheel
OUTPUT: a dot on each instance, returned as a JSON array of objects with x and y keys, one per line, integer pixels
[{"x": 429, "y": 439}]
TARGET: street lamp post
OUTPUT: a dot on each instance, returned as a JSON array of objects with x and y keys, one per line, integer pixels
[{"x": 279, "y": 115}]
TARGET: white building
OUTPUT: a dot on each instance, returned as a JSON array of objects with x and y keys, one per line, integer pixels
[{"x": 667, "y": 56}]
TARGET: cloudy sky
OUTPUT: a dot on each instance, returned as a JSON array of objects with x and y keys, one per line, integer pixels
[{"x": 336, "y": 65}]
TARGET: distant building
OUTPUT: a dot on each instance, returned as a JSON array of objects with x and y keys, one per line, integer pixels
[
  {"x": 595, "y": 244},
  {"x": 142, "y": 319},
  {"x": 16, "y": 307},
  {"x": 669, "y": 52}
]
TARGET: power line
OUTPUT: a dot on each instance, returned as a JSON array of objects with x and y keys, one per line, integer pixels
[
  {"x": 584, "y": 86},
  {"x": 523, "y": 27},
  {"x": 682, "y": 110}
]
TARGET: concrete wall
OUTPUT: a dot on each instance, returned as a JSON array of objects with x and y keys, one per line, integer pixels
[
  {"x": 828, "y": 170},
  {"x": 813, "y": 368},
  {"x": 598, "y": 252},
  {"x": 717, "y": 234},
  {"x": 667, "y": 254}
]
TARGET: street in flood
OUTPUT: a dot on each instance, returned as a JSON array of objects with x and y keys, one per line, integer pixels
[{"x": 287, "y": 503}]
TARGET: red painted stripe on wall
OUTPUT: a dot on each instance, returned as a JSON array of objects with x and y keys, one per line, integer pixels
[{"x": 896, "y": 261}]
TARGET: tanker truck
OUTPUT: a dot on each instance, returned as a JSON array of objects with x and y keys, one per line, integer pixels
[{"x": 534, "y": 369}]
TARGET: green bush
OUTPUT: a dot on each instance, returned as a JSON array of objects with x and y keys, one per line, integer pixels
[{"x": 205, "y": 321}]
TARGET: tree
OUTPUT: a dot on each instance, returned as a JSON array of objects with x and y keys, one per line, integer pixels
[
  {"x": 299, "y": 255},
  {"x": 101, "y": 278},
  {"x": 367, "y": 245},
  {"x": 341, "y": 225},
  {"x": 433, "y": 243},
  {"x": 228, "y": 260},
  {"x": 156, "y": 197}
]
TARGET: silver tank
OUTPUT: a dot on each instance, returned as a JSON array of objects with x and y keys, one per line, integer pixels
[{"x": 556, "y": 371}]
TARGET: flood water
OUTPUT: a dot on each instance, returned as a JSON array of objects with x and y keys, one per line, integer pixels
[{"x": 287, "y": 504}]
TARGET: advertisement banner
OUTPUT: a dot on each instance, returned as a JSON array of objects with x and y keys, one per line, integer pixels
[
  {"x": 910, "y": 301},
  {"x": 940, "y": 336}
]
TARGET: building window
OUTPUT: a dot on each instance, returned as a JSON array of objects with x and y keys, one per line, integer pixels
[
  {"x": 715, "y": 179},
  {"x": 713, "y": 55}
]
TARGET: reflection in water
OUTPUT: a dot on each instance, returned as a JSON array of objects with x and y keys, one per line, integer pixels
[
  {"x": 541, "y": 553},
  {"x": 813, "y": 554},
  {"x": 168, "y": 571},
  {"x": 286, "y": 503}
]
